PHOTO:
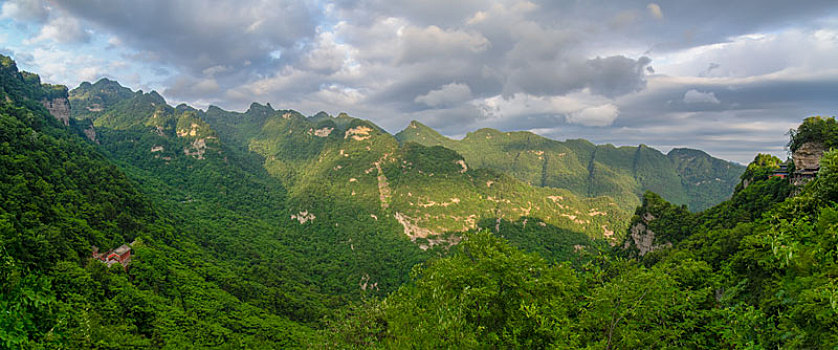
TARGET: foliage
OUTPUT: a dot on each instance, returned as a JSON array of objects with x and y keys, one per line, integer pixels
[
  {"x": 757, "y": 271},
  {"x": 683, "y": 176},
  {"x": 269, "y": 229},
  {"x": 814, "y": 129},
  {"x": 59, "y": 195}
]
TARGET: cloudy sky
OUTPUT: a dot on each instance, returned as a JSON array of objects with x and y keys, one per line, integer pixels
[{"x": 726, "y": 76}]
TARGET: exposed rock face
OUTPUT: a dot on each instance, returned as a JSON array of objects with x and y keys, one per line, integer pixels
[
  {"x": 199, "y": 148},
  {"x": 383, "y": 186},
  {"x": 643, "y": 237},
  {"x": 358, "y": 133},
  {"x": 411, "y": 229},
  {"x": 462, "y": 164},
  {"x": 324, "y": 132},
  {"x": 303, "y": 217},
  {"x": 808, "y": 156},
  {"x": 91, "y": 134},
  {"x": 192, "y": 131},
  {"x": 59, "y": 108}
]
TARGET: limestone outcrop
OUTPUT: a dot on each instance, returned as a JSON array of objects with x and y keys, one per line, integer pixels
[
  {"x": 808, "y": 156},
  {"x": 59, "y": 108},
  {"x": 642, "y": 237}
]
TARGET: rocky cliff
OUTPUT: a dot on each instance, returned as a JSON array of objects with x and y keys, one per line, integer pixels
[
  {"x": 808, "y": 156},
  {"x": 656, "y": 225},
  {"x": 642, "y": 237},
  {"x": 59, "y": 108}
]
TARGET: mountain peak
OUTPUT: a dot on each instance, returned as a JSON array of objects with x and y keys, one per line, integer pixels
[
  {"x": 687, "y": 152},
  {"x": 156, "y": 97},
  {"x": 421, "y": 133},
  {"x": 255, "y": 107},
  {"x": 320, "y": 116},
  {"x": 106, "y": 82}
]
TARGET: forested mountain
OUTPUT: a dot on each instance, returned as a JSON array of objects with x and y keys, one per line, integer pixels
[
  {"x": 339, "y": 170},
  {"x": 271, "y": 229},
  {"x": 60, "y": 196},
  {"x": 756, "y": 271},
  {"x": 683, "y": 176}
]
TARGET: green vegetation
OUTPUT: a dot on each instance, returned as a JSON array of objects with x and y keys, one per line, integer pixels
[
  {"x": 757, "y": 271},
  {"x": 682, "y": 176},
  {"x": 815, "y": 129},
  {"x": 59, "y": 196},
  {"x": 270, "y": 229}
]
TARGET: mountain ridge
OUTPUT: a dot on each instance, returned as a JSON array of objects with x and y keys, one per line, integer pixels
[
  {"x": 487, "y": 148},
  {"x": 270, "y": 228},
  {"x": 683, "y": 176}
]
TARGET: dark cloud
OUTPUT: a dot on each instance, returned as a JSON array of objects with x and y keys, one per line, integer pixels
[
  {"x": 196, "y": 35},
  {"x": 617, "y": 75}
]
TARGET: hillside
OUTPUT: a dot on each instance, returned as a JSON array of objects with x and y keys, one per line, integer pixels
[
  {"x": 336, "y": 197},
  {"x": 756, "y": 271},
  {"x": 682, "y": 176},
  {"x": 429, "y": 190},
  {"x": 242, "y": 213},
  {"x": 60, "y": 195},
  {"x": 271, "y": 229}
]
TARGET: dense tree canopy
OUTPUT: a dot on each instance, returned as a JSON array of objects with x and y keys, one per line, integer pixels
[{"x": 269, "y": 229}]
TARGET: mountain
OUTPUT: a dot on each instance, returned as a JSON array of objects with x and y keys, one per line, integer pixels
[
  {"x": 683, "y": 176},
  {"x": 60, "y": 195},
  {"x": 755, "y": 271},
  {"x": 272, "y": 229},
  {"x": 429, "y": 191},
  {"x": 245, "y": 215}
]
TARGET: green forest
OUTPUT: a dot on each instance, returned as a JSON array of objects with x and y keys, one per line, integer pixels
[{"x": 269, "y": 229}]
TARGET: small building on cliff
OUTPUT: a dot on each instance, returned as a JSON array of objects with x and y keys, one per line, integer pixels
[{"x": 781, "y": 172}]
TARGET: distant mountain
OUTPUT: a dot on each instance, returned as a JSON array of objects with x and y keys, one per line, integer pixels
[
  {"x": 272, "y": 229},
  {"x": 429, "y": 191},
  {"x": 335, "y": 201},
  {"x": 682, "y": 176}
]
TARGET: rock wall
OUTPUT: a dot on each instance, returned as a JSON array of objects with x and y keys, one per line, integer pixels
[
  {"x": 643, "y": 238},
  {"x": 808, "y": 156},
  {"x": 59, "y": 108},
  {"x": 91, "y": 133}
]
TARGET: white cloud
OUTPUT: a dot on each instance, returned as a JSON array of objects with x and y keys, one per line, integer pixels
[
  {"x": 695, "y": 96},
  {"x": 793, "y": 51},
  {"x": 27, "y": 10},
  {"x": 603, "y": 115},
  {"x": 114, "y": 42},
  {"x": 579, "y": 108},
  {"x": 63, "y": 29},
  {"x": 327, "y": 56},
  {"x": 446, "y": 95}
]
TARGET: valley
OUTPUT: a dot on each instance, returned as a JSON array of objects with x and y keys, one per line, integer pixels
[{"x": 272, "y": 229}]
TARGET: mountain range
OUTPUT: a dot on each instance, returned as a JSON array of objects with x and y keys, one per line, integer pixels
[
  {"x": 270, "y": 228},
  {"x": 682, "y": 176}
]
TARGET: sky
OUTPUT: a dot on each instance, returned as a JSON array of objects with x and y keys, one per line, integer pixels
[{"x": 729, "y": 77}]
